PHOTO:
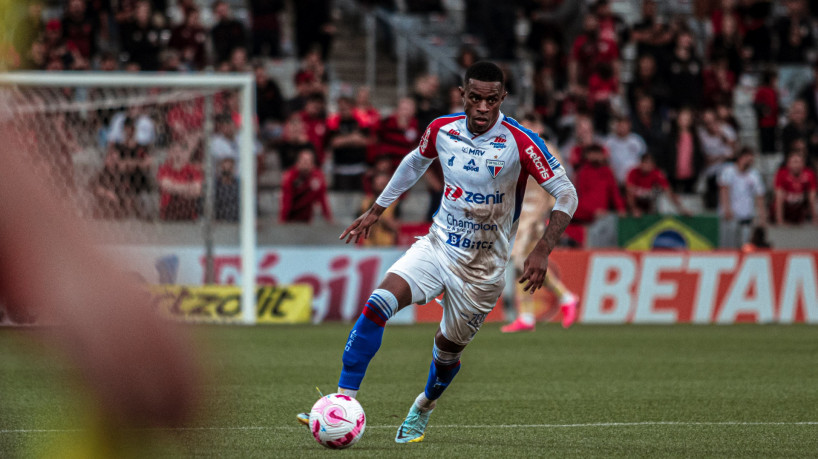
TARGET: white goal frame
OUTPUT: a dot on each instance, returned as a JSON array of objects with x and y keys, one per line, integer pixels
[{"x": 245, "y": 84}]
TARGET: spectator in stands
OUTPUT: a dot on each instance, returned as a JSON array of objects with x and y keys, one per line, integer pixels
[
  {"x": 178, "y": 13},
  {"x": 227, "y": 33},
  {"x": 596, "y": 188},
  {"x": 133, "y": 162},
  {"x": 365, "y": 111},
  {"x": 647, "y": 81},
  {"x": 718, "y": 82},
  {"x": 428, "y": 104},
  {"x": 302, "y": 188},
  {"x": 180, "y": 183},
  {"x": 810, "y": 96},
  {"x": 36, "y": 57},
  {"x": 348, "y": 139},
  {"x": 795, "y": 36},
  {"x": 294, "y": 139},
  {"x": 145, "y": 127},
  {"x": 265, "y": 28},
  {"x": 741, "y": 199},
  {"x": 611, "y": 26},
  {"x": 189, "y": 40},
  {"x": 108, "y": 62},
  {"x": 583, "y": 138},
  {"x": 625, "y": 148},
  {"x": 684, "y": 72},
  {"x": 226, "y": 193},
  {"x": 799, "y": 128},
  {"x": 718, "y": 141},
  {"x": 269, "y": 99},
  {"x": 550, "y": 78},
  {"x": 683, "y": 158},
  {"x": 29, "y": 31},
  {"x": 651, "y": 34},
  {"x": 603, "y": 87},
  {"x": 224, "y": 144},
  {"x": 313, "y": 27},
  {"x": 239, "y": 62},
  {"x": 315, "y": 123},
  {"x": 80, "y": 29},
  {"x": 727, "y": 42},
  {"x": 399, "y": 133},
  {"x": 186, "y": 117},
  {"x": 795, "y": 187},
  {"x": 765, "y": 103},
  {"x": 141, "y": 40},
  {"x": 589, "y": 50},
  {"x": 111, "y": 197},
  {"x": 647, "y": 122},
  {"x": 384, "y": 233},
  {"x": 758, "y": 47},
  {"x": 642, "y": 186}
]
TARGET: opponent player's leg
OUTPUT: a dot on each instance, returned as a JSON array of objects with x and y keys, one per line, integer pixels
[
  {"x": 525, "y": 305},
  {"x": 566, "y": 300},
  {"x": 392, "y": 295},
  {"x": 445, "y": 365}
]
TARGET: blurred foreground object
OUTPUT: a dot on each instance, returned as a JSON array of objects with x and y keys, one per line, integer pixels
[{"x": 140, "y": 372}]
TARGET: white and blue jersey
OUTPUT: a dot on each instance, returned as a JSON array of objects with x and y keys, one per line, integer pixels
[{"x": 485, "y": 178}]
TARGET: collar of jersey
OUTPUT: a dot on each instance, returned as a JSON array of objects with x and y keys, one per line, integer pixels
[{"x": 499, "y": 121}]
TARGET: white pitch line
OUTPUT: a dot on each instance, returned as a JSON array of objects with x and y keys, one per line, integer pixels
[{"x": 467, "y": 426}]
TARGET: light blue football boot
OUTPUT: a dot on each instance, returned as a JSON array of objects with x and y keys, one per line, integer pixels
[{"x": 413, "y": 429}]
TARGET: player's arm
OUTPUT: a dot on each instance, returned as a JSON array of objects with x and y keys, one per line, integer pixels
[
  {"x": 410, "y": 170},
  {"x": 536, "y": 264}
]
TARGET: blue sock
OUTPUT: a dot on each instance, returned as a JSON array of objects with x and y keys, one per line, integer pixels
[
  {"x": 442, "y": 371},
  {"x": 365, "y": 338}
]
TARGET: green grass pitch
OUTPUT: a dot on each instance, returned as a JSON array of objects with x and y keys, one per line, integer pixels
[{"x": 626, "y": 391}]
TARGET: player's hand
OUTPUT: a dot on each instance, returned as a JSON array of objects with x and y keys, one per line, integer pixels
[
  {"x": 535, "y": 268},
  {"x": 361, "y": 226}
]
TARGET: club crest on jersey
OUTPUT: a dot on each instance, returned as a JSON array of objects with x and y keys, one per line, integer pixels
[
  {"x": 494, "y": 166},
  {"x": 453, "y": 134},
  {"x": 471, "y": 167},
  {"x": 499, "y": 142}
]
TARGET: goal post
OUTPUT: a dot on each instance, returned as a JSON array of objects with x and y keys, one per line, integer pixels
[{"x": 37, "y": 94}]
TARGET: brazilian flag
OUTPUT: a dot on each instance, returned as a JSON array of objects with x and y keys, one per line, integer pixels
[{"x": 668, "y": 232}]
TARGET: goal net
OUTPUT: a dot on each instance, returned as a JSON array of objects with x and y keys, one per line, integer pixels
[{"x": 162, "y": 166}]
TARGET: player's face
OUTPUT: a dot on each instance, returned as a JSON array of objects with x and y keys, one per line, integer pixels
[{"x": 481, "y": 102}]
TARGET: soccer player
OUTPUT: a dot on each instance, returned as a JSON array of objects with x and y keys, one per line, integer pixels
[
  {"x": 486, "y": 158},
  {"x": 537, "y": 205}
]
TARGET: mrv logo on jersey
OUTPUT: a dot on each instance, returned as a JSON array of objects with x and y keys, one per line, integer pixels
[{"x": 454, "y": 192}]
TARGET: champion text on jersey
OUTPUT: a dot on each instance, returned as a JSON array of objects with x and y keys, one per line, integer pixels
[
  {"x": 499, "y": 142},
  {"x": 454, "y": 192},
  {"x": 494, "y": 166},
  {"x": 471, "y": 167}
]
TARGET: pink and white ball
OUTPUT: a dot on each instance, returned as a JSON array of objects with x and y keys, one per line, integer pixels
[{"x": 337, "y": 421}]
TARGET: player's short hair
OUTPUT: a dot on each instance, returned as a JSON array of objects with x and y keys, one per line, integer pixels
[{"x": 485, "y": 71}]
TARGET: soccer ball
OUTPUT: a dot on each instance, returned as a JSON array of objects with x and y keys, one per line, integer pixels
[{"x": 337, "y": 421}]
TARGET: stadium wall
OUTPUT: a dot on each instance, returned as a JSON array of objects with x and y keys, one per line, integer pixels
[{"x": 616, "y": 286}]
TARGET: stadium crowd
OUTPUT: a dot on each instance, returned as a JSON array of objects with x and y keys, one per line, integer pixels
[{"x": 635, "y": 109}]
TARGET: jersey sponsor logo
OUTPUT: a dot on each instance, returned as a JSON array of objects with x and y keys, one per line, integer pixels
[
  {"x": 453, "y": 222},
  {"x": 457, "y": 240},
  {"x": 454, "y": 192},
  {"x": 451, "y": 161},
  {"x": 424, "y": 141},
  {"x": 499, "y": 142},
  {"x": 471, "y": 167},
  {"x": 544, "y": 169},
  {"x": 454, "y": 134},
  {"x": 473, "y": 151},
  {"x": 495, "y": 166}
]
